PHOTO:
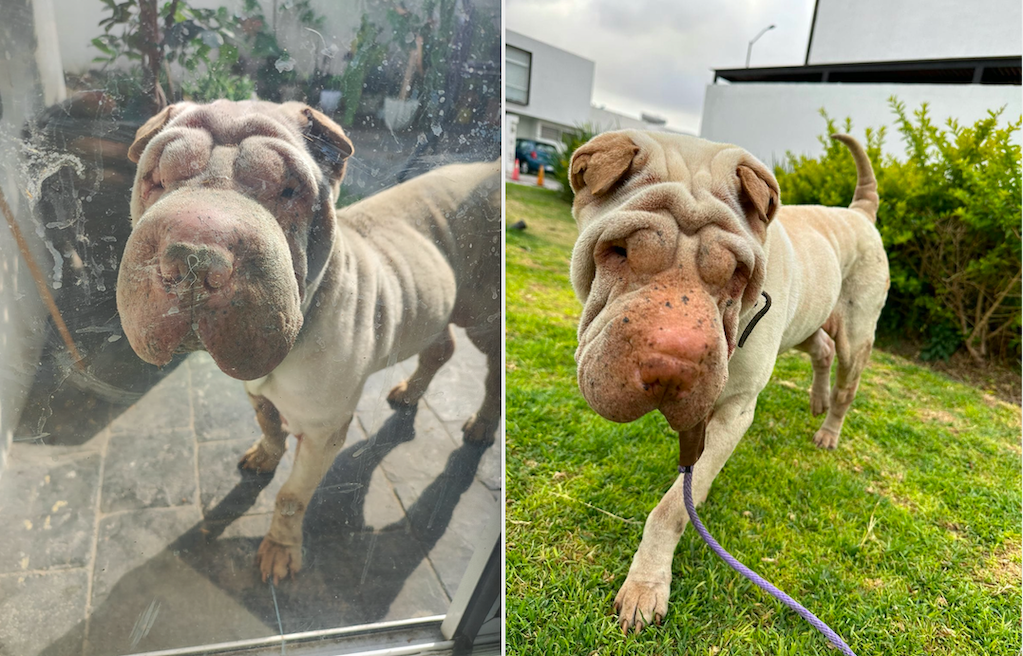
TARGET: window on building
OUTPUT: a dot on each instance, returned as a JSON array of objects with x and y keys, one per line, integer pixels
[
  {"x": 548, "y": 132},
  {"x": 517, "y": 67}
]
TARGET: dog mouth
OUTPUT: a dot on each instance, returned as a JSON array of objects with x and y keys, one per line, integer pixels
[
  {"x": 190, "y": 343},
  {"x": 210, "y": 272}
]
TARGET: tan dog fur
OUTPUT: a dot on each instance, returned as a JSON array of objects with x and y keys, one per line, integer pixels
[
  {"x": 678, "y": 237},
  {"x": 235, "y": 228}
]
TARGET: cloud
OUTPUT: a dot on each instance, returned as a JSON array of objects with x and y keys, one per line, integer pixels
[{"x": 659, "y": 55}]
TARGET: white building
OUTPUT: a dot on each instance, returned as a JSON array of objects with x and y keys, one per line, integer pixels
[
  {"x": 548, "y": 92},
  {"x": 546, "y": 88},
  {"x": 962, "y": 58}
]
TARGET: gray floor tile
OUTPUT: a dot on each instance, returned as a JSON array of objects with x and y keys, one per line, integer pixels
[
  {"x": 223, "y": 485},
  {"x": 355, "y": 494},
  {"x": 446, "y": 509},
  {"x": 151, "y": 468},
  {"x": 372, "y": 408},
  {"x": 220, "y": 403},
  {"x": 387, "y": 535},
  {"x": 43, "y": 613},
  {"x": 457, "y": 390},
  {"x": 362, "y": 578},
  {"x": 490, "y": 471},
  {"x": 48, "y": 503},
  {"x": 127, "y": 540},
  {"x": 421, "y": 457},
  {"x": 154, "y": 588},
  {"x": 454, "y": 547},
  {"x": 165, "y": 406}
]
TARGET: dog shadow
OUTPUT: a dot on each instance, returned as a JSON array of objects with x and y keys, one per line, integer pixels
[{"x": 205, "y": 588}]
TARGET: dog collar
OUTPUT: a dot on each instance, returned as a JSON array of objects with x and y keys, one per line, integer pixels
[{"x": 756, "y": 318}]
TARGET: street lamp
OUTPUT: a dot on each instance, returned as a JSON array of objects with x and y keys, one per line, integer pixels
[{"x": 749, "y": 48}]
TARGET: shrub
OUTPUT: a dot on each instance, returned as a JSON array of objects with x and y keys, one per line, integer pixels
[{"x": 950, "y": 220}]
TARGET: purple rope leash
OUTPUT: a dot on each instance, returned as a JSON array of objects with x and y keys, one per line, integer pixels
[{"x": 687, "y": 492}]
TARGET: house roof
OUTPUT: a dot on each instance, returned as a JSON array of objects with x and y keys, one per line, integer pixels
[{"x": 988, "y": 70}]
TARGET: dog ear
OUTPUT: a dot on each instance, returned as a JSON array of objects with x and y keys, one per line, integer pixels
[
  {"x": 150, "y": 129},
  {"x": 760, "y": 189},
  {"x": 327, "y": 143},
  {"x": 601, "y": 162}
]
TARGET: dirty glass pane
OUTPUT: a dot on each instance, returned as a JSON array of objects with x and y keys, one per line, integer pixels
[{"x": 179, "y": 365}]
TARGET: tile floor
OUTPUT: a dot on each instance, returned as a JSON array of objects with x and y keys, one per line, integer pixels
[{"x": 141, "y": 535}]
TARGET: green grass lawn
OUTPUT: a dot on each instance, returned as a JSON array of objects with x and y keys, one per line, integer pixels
[{"x": 905, "y": 539}]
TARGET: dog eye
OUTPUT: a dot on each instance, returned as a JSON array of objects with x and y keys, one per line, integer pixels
[
  {"x": 288, "y": 192},
  {"x": 616, "y": 250}
]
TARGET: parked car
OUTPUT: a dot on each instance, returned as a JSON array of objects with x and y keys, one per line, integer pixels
[{"x": 534, "y": 153}]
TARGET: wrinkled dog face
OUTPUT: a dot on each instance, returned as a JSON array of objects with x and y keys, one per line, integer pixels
[
  {"x": 670, "y": 253},
  {"x": 233, "y": 224}
]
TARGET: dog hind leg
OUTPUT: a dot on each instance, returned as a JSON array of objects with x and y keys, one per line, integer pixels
[
  {"x": 853, "y": 353},
  {"x": 480, "y": 428},
  {"x": 821, "y": 349},
  {"x": 431, "y": 359},
  {"x": 266, "y": 453}
]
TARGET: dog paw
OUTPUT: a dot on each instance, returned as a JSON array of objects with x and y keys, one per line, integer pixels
[
  {"x": 641, "y": 604},
  {"x": 819, "y": 403},
  {"x": 261, "y": 459},
  {"x": 400, "y": 397},
  {"x": 276, "y": 560},
  {"x": 479, "y": 431},
  {"x": 825, "y": 439}
]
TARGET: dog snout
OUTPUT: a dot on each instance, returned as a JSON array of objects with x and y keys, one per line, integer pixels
[
  {"x": 195, "y": 265},
  {"x": 663, "y": 375},
  {"x": 671, "y": 363}
]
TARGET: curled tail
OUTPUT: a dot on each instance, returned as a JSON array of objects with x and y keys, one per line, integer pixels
[{"x": 865, "y": 199}]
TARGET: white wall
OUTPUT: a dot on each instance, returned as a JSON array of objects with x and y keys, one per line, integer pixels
[
  {"x": 560, "y": 85},
  {"x": 885, "y": 30},
  {"x": 769, "y": 119}
]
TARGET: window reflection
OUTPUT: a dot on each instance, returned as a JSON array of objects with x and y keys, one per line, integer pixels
[{"x": 132, "y": 528}]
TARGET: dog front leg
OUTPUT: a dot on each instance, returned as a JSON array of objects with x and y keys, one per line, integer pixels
[
  {"x": 643, "y": 598},
  {"x": 266, "y": 453},
  {"x": 281, "y": 550}
]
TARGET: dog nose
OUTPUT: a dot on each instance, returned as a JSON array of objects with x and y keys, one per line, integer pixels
[
  {"x": 194, "y": 265},
  {"x": 661, "y": 374}
]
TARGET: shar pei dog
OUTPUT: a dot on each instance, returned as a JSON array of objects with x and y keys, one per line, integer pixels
[
  {"x": 694, "y": 277},
  {"x": 236, "y": 248}
]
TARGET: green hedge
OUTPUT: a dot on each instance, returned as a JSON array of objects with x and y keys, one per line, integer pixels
[{"x": 950, "y": 219}]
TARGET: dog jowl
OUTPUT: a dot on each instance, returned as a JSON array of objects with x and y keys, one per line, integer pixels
[{"x": 681, "y": 243}]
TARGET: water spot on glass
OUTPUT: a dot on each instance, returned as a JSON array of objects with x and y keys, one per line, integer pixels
[{"x": 284, "y": 64}]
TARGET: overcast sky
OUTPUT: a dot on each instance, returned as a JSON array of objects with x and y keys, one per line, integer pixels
[{"x": 657, "y": 56}]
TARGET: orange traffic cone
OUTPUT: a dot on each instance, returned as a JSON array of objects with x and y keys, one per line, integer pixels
[
  {"x": 539, "y": 177},
  {"x": 515, "y": 171}
]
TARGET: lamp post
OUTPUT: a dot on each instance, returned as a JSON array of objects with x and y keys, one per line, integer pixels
[{"x": 749, "y": 48}]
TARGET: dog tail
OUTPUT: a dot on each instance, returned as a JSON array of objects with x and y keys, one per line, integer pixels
[{"x": 865, "y": 199}]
